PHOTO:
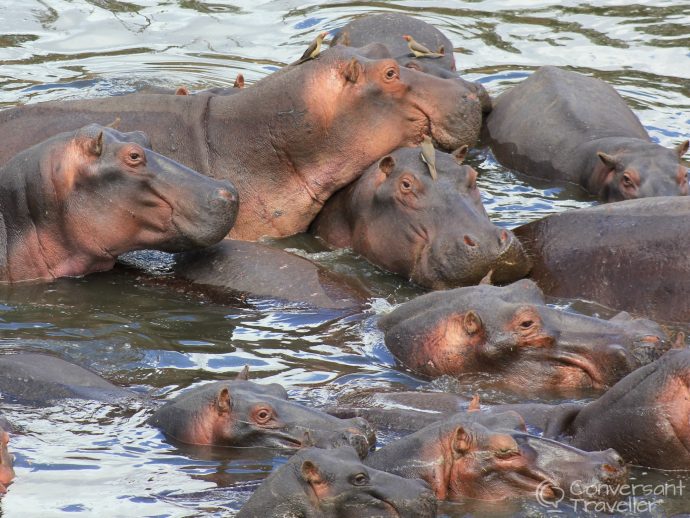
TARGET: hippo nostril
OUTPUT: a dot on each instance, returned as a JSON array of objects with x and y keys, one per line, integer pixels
[
  {"x": 225, "y": 196},
  {"x": 469, "y": 241}
]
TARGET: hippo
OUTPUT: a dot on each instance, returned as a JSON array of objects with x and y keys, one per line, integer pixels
[
  {"x": 390, "y": 30},
  {"x": 461, "y": 458},
  {"x": 565, "y": 126},
  {"x": 288, "y": 142},
  {"x": 259, "y": 270},
  {"x": 243, "y": 413},
  {"x": 71, "y": 204},
  {"x": 643, "y": 417},
  {"x": 630, "y": 255},
  {"x": 434, "y": 232},
  {"x": 6, "y": 468},
  {"x": 509, "y": 332},
  {"x": 226, "y": 413},
  {"x": 319, "y": 483}
]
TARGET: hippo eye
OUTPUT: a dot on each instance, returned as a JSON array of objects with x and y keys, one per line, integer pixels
[
  {"x": 526, "y": 324},
  {"x": 405, "y": 185},
  {"x": 391, "y": 73},
  {"x": 263, "y": 415},
  {"x": 627, "y": 181},
  {"x": 360, "y": 479},
  {"x": 134, "y": 156},
  {"x": 506, "y": 453}
]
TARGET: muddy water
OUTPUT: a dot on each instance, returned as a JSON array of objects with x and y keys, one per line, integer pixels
[{"x": 100, "y": 460}]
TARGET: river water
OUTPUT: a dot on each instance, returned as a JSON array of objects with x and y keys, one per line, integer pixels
[{"x": 102, "y": 460}]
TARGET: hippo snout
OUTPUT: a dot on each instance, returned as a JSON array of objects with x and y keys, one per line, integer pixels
[{"x": 218, "y": 216}]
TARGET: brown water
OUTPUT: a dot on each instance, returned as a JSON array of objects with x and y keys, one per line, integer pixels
[{"x": 100, "y": 460}]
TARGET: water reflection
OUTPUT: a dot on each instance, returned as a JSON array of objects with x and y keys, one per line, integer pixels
[{"x": 99, "y": 459}]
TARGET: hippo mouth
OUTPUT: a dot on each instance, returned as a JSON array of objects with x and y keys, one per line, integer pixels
[
  {"x": 582, "y": 364},
  {"x": 533, "y": 481}
]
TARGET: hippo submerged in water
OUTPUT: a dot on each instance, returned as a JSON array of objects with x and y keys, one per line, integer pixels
[
  {"x": 643, "y": 416},
  {"x": 432, "y": 231},
  {"x": 317, "y": 483},
  {"x": 225, "y": 413},
  {"x": 70, "y": 205},
  {"x": 632, "y": 255},
  {"x": 510, "y": 332},
  {"x": 289, "y": 141},
  {"x": 562, "y": 125},
  {"x": 460, "y": 458}
]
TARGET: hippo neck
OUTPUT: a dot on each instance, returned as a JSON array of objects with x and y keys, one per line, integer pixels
[
  {"x": 37, "y": 246},
  {"x": 319, "y": 159},
  {"x": 593, "y": 172}
]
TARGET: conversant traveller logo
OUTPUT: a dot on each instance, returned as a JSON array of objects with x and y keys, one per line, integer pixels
[{"x": 629, "y": 499}]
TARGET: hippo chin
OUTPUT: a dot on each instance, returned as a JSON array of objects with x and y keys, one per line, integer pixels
[
  {"x": 241, "y": 413},
  {"x": 329, "y": 118},
  {"x": 460, "y": 458},
  {"x": 318, "y": 483},
  {"x": 70, "y": 205},
  {"x": 510, "y": 332},
  {"x": 561, "y": 125},
  {"x": 390, "y": 29},
  {"x": 432, "y": 231}
]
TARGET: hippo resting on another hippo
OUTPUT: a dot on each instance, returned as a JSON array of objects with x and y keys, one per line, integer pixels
[
  {"x": 632, "y": 255},
  {"x": 463, "y": 456},
  {"x": 226, "y": 413},
  {"x": 510, "y": 332},
  {"x": 432, "y": 231},
  {"x": 390, "y": 29},
  {"x": 561, "y": 125},
  {"x": 70, "y": 205},
  {"x": 317, "y": 483},
  {"x": 644, "y": 416},
  {"x": 289, "y": 141}
]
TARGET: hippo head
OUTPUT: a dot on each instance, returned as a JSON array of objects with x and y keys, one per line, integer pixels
[
  {"x": 470, "y": 456},
  {"x": 510, "y": 332},
  {"x": 6, "y": 470},
  {"x": 241, "y": 414},
  {"x": 316, "y": 482},
  {"x": 401, "y": 105},
  {"x": 96, "y": 193},
  {"x": 435, "y": 232},
  {"x": 643, "y": 171}
]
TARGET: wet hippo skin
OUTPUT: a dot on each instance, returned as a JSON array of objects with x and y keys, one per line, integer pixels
[
  {"x": 565, "y": 126},
  {"x": 285, "y": 143},
  {"x": 317, "y": 483},
  {"x": 509, "y": 331},
  {"x": 71, "y": 204},
  {"x": 432, "y": 231},
  {"x": 632, "y": 255}
]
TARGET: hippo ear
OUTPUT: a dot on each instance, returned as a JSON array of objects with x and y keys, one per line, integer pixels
[
  {"x": 352, "y": 70},
  {"x": 474, "y": 405},
  {"x": 224, "y": 401},
  {"x": 682, "y": 148},
  {"x": 182, "y": 90},
  {"x": 471, "y": 323},
  {"x": 308, "y": 440},
  {"x": 609, "y": 161},
  {"x": 462, "y": 442},
  {"x": 239, "y": 81},
  {"x": 115, "y": 124},
  {"x": 460, "y": 153},
  {"x": 311, "y": 473},
  {"x": 95, "y": 145},
  {"x": 243, "y": 375},
  {"x": 387, "y": 164},
  {"x": 487, "y": 278}
]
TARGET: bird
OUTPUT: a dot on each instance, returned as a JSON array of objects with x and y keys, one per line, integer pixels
[
  {"x": 313, "y": 50},
  {"x": 428, "y": 156},
  {"x": 419, "y": 50}
]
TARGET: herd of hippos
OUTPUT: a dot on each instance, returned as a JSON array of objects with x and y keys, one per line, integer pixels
[{"x": 339, "y": 143}]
